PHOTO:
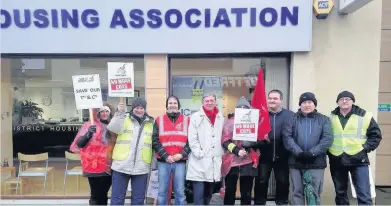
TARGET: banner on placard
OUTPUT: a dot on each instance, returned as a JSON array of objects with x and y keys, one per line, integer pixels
[
  {"x": 120, "y": 79},
  {"x": 246, "y": 124},
  {"x": 153, "y": 186},
  {"x": 87, "y": 91}
]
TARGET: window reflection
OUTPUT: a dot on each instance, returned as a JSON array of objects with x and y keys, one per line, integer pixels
[{"x": 45, "y": 119}]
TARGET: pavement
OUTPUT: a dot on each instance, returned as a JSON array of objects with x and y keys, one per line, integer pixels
[{"x": 383, "y": 197}]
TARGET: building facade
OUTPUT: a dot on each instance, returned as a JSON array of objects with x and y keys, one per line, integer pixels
[{"x": 170, "y": 47}]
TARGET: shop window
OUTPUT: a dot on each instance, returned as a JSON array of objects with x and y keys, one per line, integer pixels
[
  {"x": 228, "y": 78},
  {"x": 52, "y": 120}
]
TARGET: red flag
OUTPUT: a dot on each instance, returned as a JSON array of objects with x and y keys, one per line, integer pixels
[{"x": 259, "y": 102}]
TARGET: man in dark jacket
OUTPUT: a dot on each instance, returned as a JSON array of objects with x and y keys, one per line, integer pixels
[
  {"x": 274, "y": 155},
  {"x": 356, "y": 133},
  {"x": 307, "y": 136}
]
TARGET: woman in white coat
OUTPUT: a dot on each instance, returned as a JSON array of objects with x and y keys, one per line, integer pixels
[{"x": 204, "y": 136}]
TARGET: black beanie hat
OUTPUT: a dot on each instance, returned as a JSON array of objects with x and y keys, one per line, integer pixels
[
  {"x": 346, "y": 94},
  {"x": 308, "y": 96},
  {"x": 172, "y": 96},
  {"x": 139, "y": 102}
]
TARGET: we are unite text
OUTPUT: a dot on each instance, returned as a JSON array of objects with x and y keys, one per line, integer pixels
[{"x": 152, "y": 18}]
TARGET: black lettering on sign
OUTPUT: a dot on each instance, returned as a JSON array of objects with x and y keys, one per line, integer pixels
[
  {"x": 81, "y": 90},
  {"x": 95, "y": 90},
  {"x": 86, "y": 79}
]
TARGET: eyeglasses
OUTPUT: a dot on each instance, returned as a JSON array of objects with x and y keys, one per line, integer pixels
[{"x": 345, "y": 99}]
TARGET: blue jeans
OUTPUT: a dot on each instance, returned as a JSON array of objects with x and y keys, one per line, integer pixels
[
  {"x": 203, "y": 192},
  {"x": 360, "y": 179},
  {"x": 179, "y": 174},
  {"x": 120, "y": 185}
]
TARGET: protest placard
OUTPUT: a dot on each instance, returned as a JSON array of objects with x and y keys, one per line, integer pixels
[
  {"x": 87, "y": 91},
  {"x": 120, "y": 79},
  {"x": 246, "y": 124},
  {"x": 153, "y": 186}
]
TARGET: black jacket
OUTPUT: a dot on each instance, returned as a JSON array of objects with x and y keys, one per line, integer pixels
[
  {"x": 275, "y": 150},
  {"x": 158, "y": 147},
  {"x": 373, "y": 134},
  {"x": 310, "y": 133}
]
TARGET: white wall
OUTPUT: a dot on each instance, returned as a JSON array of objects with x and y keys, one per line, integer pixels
[{"x": 345, "y": 56}]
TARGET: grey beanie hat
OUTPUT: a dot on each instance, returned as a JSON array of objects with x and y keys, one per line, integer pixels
[
  {"x": 139, "y": 102},
  {"x": 243, "y": 102}
]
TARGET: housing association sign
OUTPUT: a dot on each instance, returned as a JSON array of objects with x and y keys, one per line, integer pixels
[
  {"x": 246, "y": 124},
  {"x": 155, "y": 26}
]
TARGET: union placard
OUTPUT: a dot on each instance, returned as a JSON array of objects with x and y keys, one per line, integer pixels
[{"x": 246, "y": 124}]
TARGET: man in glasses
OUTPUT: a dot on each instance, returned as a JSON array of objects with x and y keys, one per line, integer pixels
[{"x": 356, "y": 133}]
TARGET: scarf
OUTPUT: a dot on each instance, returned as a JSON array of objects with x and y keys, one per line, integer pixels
[{"x": 211, "y": 114}]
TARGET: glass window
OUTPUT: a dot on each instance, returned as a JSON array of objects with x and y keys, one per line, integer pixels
[
  {"x": 228, "y": 78},
  {"x": 45, "y": 118}
]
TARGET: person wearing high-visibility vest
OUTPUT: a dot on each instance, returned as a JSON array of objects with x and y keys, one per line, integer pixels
[
  {"x": 356, "y": 133},
  {"x": 172, "y": 148},
  {"x": 132, "y": 154}
]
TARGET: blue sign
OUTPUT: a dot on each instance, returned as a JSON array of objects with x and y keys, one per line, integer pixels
[
  {"x": 151, "y": 18},
  {"x": 154, "y": 26},
  {"x": 384, "y": 109}
]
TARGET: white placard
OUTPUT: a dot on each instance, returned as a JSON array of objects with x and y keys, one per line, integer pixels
[
  {"x": 130, "y": 185},
  {"x": 87, "y": 91},
  {"x": 153, "y": 186},
  {"x": 120, "y": 79},
  {"x": 246, "y": 124}
]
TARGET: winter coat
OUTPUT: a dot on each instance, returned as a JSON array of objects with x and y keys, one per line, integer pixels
[
  {"x": 275, "y": 150},
  {"x": 374, "y": 137},
  {"x": 204, "y": 163},
  {"x": 232, "y": 163},
  {"x": 158, "y": 147},
  {"x": 95, "y": 150},
  {"x": 310, "y": 133},
  {"x": 133, "y": 164}
]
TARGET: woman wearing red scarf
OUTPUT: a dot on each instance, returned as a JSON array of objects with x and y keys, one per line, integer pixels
[{"x": 238, "y": 162}]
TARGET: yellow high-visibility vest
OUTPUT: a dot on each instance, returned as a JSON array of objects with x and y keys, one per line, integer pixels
[
  {"x": 351, "y": 138},
  {"x": 124, "y": 139}
]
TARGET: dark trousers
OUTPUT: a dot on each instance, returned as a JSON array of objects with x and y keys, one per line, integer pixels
[
  {"x": 281, "y": 174},
  {"x": 99, "y": 187},
  {"x": 246, "y": 185},
  {"x": 202, "y": 192},
  {"x": 120, "y": 185},
  {"x": 360, "y": 179}
]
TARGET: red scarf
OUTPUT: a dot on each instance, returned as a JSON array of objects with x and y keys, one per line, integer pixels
[{"x": 211, "y": 114}]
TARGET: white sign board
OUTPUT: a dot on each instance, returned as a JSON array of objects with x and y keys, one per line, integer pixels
[
  {"x": 87, "y": 91},
  {"x": 153, "y": 186},
  {"x": 120, "y": 79},
  {"x": 246, "y": 124},
  {"x": 155, "y": 26}
]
